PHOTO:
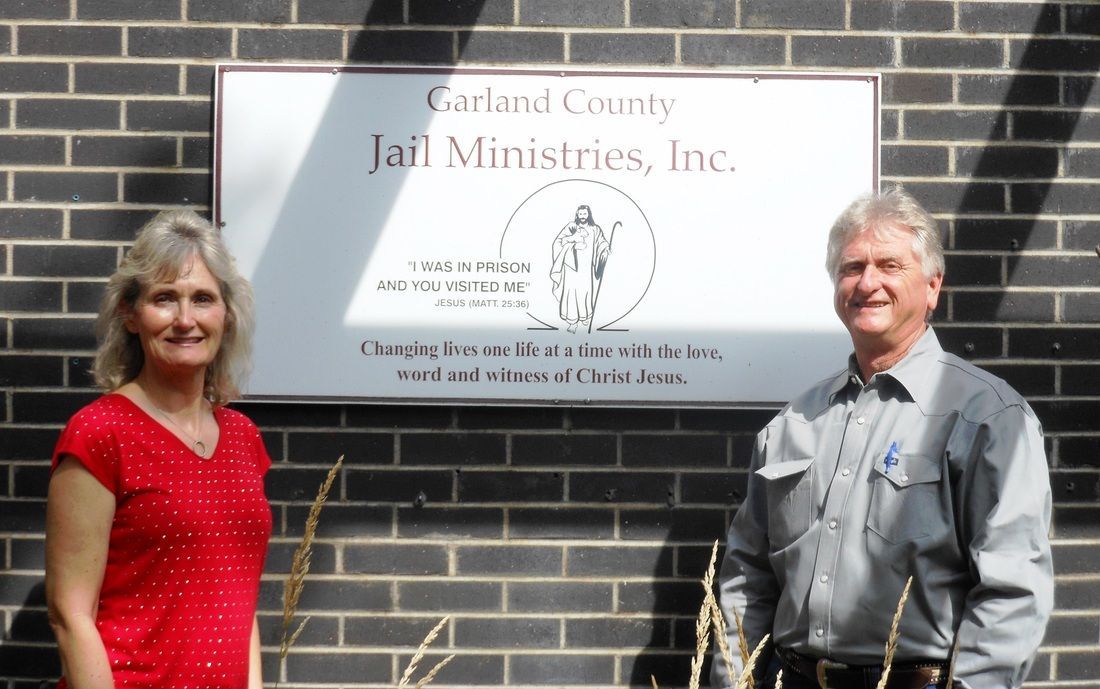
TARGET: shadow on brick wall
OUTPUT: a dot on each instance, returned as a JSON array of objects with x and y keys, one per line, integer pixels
[{"x": 26, "y": 651}]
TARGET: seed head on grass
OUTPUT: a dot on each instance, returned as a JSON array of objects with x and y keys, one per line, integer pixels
[
  {"x": 299, "y": 567},
  {"x": 405, "y": 678},
  {"x": 746, "y": 680},
  {"x": 892, "y": 640},
  {"x": 703, "y": 622}
]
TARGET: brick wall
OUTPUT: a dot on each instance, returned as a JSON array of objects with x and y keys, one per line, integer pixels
[{"x": 565, "y": 543}]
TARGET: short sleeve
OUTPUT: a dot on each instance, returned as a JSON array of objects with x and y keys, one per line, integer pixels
[
  {"x": 90, "y": 443},
  {"x": 263, "y": 460}
]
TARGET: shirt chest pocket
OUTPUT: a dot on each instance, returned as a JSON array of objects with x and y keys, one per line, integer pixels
[
  {"x": 907, "y": 500},
  {"x": 789, "y": 500}
]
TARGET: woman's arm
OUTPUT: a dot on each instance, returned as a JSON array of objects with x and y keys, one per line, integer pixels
[
  {"x": 79, "y": 512},
  {"x": 255, "y": 660}
]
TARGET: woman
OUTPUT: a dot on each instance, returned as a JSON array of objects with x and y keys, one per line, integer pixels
[{"x": 157, "y": 524}]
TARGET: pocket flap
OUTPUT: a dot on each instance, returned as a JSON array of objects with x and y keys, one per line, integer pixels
[
  {"x": 779, "y": 470},
  {"x": 910, "y": 469}
]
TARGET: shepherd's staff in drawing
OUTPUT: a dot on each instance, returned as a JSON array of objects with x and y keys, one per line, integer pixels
[{"x": 601, "y": 263}]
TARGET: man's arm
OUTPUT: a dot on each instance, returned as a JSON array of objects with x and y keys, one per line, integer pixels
[
  {"x": 746, "y": 582},
  {"x": 1005, "y": 519}
]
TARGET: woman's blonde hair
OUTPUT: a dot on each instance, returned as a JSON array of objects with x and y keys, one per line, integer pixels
[{"x": 161, "y": 251}]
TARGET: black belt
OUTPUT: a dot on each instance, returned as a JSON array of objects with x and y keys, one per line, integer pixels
[{"x": 830, "y": 674}]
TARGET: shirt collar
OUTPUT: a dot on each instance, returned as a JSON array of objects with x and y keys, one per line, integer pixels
[{"x": 913, "y": 373}]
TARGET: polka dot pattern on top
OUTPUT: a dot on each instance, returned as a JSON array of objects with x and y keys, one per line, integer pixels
[{"x": 187, "y": 544}]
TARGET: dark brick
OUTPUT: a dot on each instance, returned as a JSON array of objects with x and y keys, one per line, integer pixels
[
  {"x": 197, "y": 152},
  {"x": 1082, "y": 162},
  {"x": 20, "y": 516},
  {"x": 402, "y": 487},
  {"x": 270, "y": 414},
  {"x": 618, "y": 561},
  {"x": 1068, "y": 271},
  {"x": 362, "y": 630},
  {"x": 449, "y": 522},
  {"x": 509, "y": 486},
  {"x": 289, "y": 43},
  {"x": 28, "y": 553},
  {"x": 1064, "y": 630},
  {"x": 507, "y": 633},
  {"x": 1075, "y": 595},
  {"x": 970, "y": 342},
  {"x": 404, "y": 417},
  {"x": 526, "y": 418},
  {"x": 561, "y": 669},
  {"x": 321, "y": 630},
  {"x": 1005, "y": 234},
  {"x": 842, "y": 51},
  {"x": 258, "y": 11},
  {"x": 30, "y": 481},
  {"x": 341, "y": 594},
  {"x": 167, "y": 188},
  {"x": 914, "y": 161},
  {"x": 674, "y": 450},
  {"x": 1009, "y": 17},
  {"x": 64, "y": 261},
  {"x": 32, "y": 150},
  {"x": 898, "y": 89},
  {"x": 792, "y": 14},
  {"x": 1055, "y": 54},
  {"x": 29, "y": 661},
  {"x": 30, "y": 296},
  {"x": 1068, "y": 559},
  {"x": 1028, "y": 380},
  {"x": 461, "y": 12},
  {"x": 449, "y": 595},
  {"x": 127, "y": 9},
  {"x": 556, "y": 450},
  {"x": 280, "y": 556},
  {"x": 667, "y": 597},
  {"x": 1078, "y": 92},
  {"x": 339, "y": 520},
  {"x": 746, "y": 421},
  {"x": 180, "y": 116},
  {"x": 1056, "y": 198},
  {"x": 338, "y": 667},
  {"x": 48, "y": 407},
  {"x": 509, "y": 561},
  {"x": 679, "y": 524},
  {"x": 1039, "y": 343},
  {"x": 1074, "y": 486},
  {"x": 421, "y": 47},
  {"x": 70, "y": 40},
  {"x": 170, "y": 41},
  {"x": 350, "y": 11},
  {"x": 1080, "y": 307},
  {"x": 200, "y": 80},
  {"x": 138, "y": 151},
  {"x": 33, "y": 77},
  {"x": 456, "y": 449},
  {"x": 685, "y": 13},
  {"x": 68, "y": 114},
  {"x": 951, "y": 52},
  {"x": 25, "y": 223},
  {"x": 1081, "y": 234},
  {"x": 738, "y": 50},
  {"x": 959, "y": 197},
  {"x": 570, "y": 13},
  {"x": 890, "y": 124},
  {"x": 1075, "y": 521},
  {"x": 622, "y": 419},
  {"x": 612, "y": 632},
  {"x": 356, "y": 448},
  {"x": 1003, "y": 306},
  {"x": 619, "y": 487},
  {"x": 109, "y": 224},
  {"x": 1006, "y": 161},
  {"x": 1080, "y": 379},
  {"x": 30, "y": 370},
  {"x": 28, "y": 443},
  {"x": 622, "y": 48},
  {"x": 465, "y": 669},
  {"x": 726, "y": 488},
  {"x": 295, "y": 483},
  {"x": 1068, "y": 416},
  {"x": 396, "y": 558},
  {"x": 1017, "y": 89},
  {"x": 902, "y": 15},
  {"x": 85, "y": 187},
  {"x": 80, "y": 371},
  {"x": 666, "y": 668},
  {"x": 1057, "y": 126},
  {"x": 34, "y": 9},
  {"x": 560, "y": 523},
  {"x": 123, "y": 78},
  {"x": 959, "y": 125},
  {"x": 1082, "y": 18}
]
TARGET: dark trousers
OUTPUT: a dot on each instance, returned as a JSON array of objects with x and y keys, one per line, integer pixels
[{"x": 794, "y": 680}]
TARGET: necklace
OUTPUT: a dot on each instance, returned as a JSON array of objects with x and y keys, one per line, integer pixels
[{"x": 197, "y": 445}]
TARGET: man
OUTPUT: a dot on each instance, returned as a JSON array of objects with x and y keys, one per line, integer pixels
[
  {"x": 909, "y": 463},
  {"x": 579, "y": 252}
]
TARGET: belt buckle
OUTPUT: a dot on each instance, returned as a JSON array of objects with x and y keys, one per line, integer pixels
[{"x": 823, "y": 666}]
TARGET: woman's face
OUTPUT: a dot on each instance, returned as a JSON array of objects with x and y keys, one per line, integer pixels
[{"x": 180, "y": 323}]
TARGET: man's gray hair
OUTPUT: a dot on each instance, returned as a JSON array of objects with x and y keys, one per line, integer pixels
[{"x": 891, "y": 208}]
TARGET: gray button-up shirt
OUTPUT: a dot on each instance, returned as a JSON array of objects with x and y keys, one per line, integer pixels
[{"x": 933, "y": 469}]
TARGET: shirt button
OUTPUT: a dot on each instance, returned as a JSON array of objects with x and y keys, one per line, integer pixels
[
  {"x": 905, "y": 477},
  {"x": 846, "y": 471},
  {"x": 832, "y": 524},
  {"x": 860, "y": 420},
  {"x": 824, "y": 578}
]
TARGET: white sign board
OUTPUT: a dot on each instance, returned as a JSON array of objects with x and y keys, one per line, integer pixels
[{"x": 540, "y": 236}]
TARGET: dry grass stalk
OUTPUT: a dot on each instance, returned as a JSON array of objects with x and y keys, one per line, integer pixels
[
  {"x": 703, "y": 622},
  {"x": 718, "y": 620},
  {"x": 892, "y": 640},
  {"x": 653, "y": 681},
  {"x": 742, "y": 642},
  {"x": 434, "y": 671},
  {"x": 420, "y": 655},
  {"x": 779, "y": 680},
  {"x": 745, "y": 680},
  {"x": 299, "y": 567},
  {"x": 951, "y": 663}
]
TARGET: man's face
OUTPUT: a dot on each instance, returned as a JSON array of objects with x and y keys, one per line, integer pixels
[
  {"x": 882, "y": 295},
  {"x": 582, "y": 215}
]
